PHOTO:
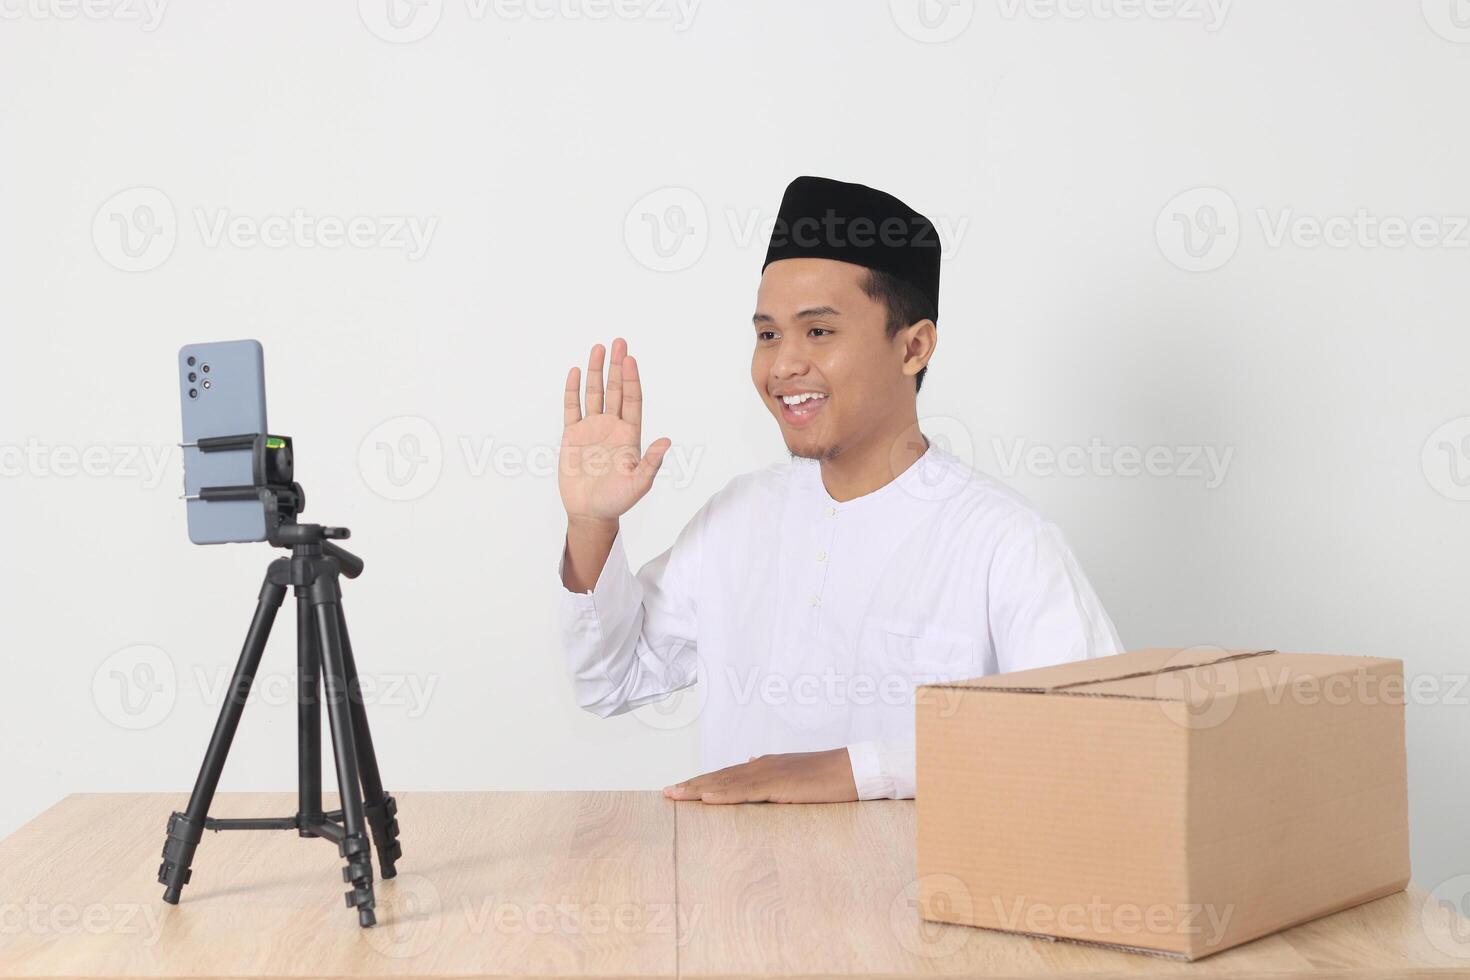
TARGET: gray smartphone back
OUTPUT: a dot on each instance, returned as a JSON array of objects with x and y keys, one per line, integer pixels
[{"x": 222, "y": 391}]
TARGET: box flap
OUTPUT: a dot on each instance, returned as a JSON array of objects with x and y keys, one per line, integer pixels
[
  {"x": 1202, "y": 674},
  {"x": 1076, "y": 677}
]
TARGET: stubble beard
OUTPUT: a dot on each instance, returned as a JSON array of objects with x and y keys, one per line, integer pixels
[{"x": 830, "y": 452}]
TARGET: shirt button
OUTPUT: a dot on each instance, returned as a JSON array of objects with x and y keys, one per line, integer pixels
[
  {"x": 831, "y": 511},
  {"x": 816, "y": 600},
  {"x": 821, "y": 556}
]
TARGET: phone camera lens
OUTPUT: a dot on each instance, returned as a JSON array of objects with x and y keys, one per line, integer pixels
[
  {"x": 193, "y": 392},
  {"x": 204, "y": 368},
  {"x": 207, "y": 384},
  {"x": 193, "y": 377},
  {"x": 191, "y": 362}
]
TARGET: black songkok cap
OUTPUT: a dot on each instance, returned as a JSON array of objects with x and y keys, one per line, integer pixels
[{"x": 828, "y": 219}]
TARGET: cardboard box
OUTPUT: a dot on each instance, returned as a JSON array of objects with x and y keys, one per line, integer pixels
[{"x": 1176, "y": 802}]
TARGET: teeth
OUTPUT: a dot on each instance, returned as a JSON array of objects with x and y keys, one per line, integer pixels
[{"x": 798, "y": 399}]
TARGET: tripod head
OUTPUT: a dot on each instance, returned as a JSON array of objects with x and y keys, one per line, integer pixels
[{"x": 304, "y": 538}]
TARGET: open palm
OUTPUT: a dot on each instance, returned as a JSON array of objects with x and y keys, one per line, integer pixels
[{"x": 602, "y": 472}]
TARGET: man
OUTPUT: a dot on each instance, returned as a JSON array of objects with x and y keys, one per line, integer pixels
[{"x": 811, "y": 597}]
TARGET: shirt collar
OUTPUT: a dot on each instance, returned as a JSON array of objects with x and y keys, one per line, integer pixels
[{"x": 929, "y": 477}]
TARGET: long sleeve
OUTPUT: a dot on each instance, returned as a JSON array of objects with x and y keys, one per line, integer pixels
[
  {"x": 1043, "y": 611},
  {"x": 631, "y": 639},
  {"x": 883, "y": 768}
]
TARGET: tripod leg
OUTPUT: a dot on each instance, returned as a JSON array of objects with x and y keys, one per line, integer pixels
[
  {"x": 325, "y": 597},
  {"x": 308, "y": 716},
  {"x": 185, "y": 829},
  {"x": 380, "y": 808}
]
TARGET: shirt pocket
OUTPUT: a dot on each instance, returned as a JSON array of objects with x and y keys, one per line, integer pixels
[{"x": 924, "y": 652}]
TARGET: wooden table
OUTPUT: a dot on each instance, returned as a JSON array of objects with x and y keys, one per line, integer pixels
[{"x": 574, "y": 884}]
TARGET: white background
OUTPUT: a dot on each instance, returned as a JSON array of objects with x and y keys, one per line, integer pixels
[{"x": 539, "y": 146}]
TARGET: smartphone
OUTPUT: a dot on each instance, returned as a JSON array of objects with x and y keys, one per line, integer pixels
[{"x": 222, "y": 391}]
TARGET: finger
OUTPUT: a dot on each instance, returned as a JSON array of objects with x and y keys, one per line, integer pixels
[
  {"x": 690, "y": 789},
  {"x": 572, "y": 402},
  {"x": 632, "y": 394},
  {"x": 739, "y": 793},
  {"x": 594, "y": 380},
  {"x": 654, "y": 458},
  {"x": 615, "y": 378}
]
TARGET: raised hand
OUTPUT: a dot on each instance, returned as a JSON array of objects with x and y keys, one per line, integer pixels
[{"x": 602, "y": 472}]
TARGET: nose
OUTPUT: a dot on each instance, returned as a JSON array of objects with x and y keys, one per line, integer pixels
[{"x": 790, "y": 362}]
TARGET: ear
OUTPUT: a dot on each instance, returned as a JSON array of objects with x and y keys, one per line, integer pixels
[{"x": 919, "y": 340}]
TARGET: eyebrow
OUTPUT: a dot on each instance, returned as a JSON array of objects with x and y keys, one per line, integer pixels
[{"x": 802, "y": 315}]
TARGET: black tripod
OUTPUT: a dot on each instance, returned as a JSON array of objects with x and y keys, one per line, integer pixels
[{"x": 323, "y": 659}]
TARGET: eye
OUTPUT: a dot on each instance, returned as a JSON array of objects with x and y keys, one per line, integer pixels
[
  {"x": 819, "y": 330},
  {"x": 765, "y": 334}
]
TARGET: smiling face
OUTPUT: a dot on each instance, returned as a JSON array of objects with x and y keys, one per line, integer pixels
[{"x": 821, "y": 342}]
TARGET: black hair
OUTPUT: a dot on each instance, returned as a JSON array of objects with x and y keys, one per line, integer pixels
[{"x": 906, "y": 304}]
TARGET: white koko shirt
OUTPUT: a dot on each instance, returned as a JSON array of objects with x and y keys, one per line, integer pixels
[{"x": 808, "y": 621}]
